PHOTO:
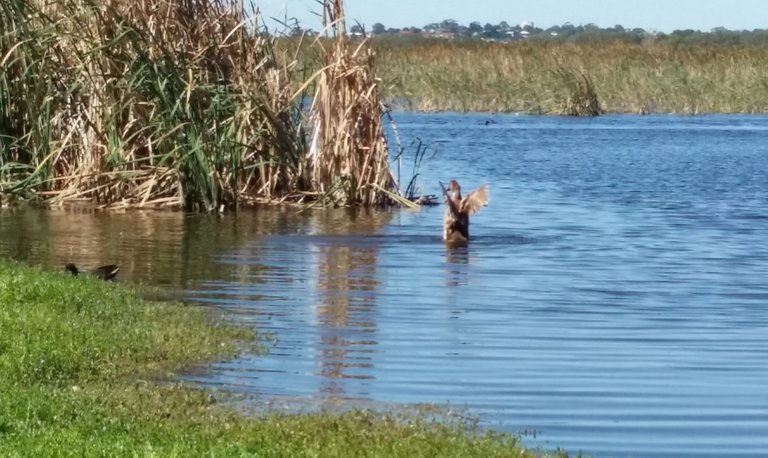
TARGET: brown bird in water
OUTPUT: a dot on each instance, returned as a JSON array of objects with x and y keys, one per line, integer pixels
[
  {"x": 458, "y": 209},
  {"x": 107, "y": 272}
]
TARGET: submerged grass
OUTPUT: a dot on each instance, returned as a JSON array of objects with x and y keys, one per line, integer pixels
[
  {"x": 85, "y": 367},
  {"x": 472, "y": 75}
]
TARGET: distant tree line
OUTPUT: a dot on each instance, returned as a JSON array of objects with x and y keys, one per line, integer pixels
[{"x": 503, "y": 31}]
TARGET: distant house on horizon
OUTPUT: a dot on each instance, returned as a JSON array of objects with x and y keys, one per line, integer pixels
[{"x": 432, "y": 33}]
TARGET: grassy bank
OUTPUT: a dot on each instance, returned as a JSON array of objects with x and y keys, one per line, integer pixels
[
  {"x": 540, "y": 77},
  {"x": 84, "y": 365}
]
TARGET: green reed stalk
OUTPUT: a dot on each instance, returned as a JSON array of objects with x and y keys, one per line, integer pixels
[{"x": 162, "y": 102}]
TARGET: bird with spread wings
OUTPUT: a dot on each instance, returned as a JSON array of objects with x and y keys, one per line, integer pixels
[{"x": 458, "y": 210}]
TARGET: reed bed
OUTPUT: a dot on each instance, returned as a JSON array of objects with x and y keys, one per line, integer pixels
[
  {"x": 580, "y": 97},
  {"x": 349, "y": 159},
  {"x": 471, "y": 75},
  {"x": 182, "y": 103}
]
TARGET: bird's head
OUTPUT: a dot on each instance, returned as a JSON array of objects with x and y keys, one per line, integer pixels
[{"x": 454, "y": 187}]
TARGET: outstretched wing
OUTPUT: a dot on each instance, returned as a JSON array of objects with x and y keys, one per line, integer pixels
[{"x": 475, "y": 200}]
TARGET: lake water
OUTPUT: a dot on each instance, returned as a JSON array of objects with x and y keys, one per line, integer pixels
[{"x": 613, "y": 300}]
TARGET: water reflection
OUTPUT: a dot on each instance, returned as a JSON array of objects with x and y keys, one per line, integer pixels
[
  {"x": 612, "y": 298},
  {"x": 346, "y": 287},
  {"x": 335, "y": 250},
  {"x": 160, "y": 248},
  {"x": 456, "y": 265}
]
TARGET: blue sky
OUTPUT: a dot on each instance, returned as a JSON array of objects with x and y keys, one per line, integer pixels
[{"x": 660, "y": 15}]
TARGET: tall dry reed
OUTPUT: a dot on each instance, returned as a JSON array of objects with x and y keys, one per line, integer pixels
[
  {"x": 183, "y": 103},
  {"x": 580, "y": 97},
  {"x": 348, "y": 153}
]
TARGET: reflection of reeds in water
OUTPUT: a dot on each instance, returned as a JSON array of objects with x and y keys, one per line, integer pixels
[
  {"x": 166, "y": 248},
  {"x": 181, "y": 250},
  {"x": 159, "y": 248},
  {"x": 346, "y": 285}
]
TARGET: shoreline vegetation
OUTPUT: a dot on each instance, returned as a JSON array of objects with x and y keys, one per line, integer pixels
[
  {"x": 87, "y": 369},
  {"x": 195, "y": 105},
  {"x": 550, "y": 78},
  {"x": 183, "y": 104},
  {"x": 565, "y": 69}
]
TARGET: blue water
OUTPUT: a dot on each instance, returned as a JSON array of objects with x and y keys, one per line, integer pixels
[{"x": 613, "y": 300}]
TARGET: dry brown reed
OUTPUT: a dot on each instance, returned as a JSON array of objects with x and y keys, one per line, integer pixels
[
  {"x": 159, "y": 102},
  {"x": 348, "y": 152},
  {"x": 580, "y": 98},
  {"x": 181, "y": 103}
]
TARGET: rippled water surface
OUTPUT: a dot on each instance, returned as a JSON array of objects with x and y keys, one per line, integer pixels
[{"x": 614, "y": 298}]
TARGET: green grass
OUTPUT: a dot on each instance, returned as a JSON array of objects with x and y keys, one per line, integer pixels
[{"x": 86, "y": 366}]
